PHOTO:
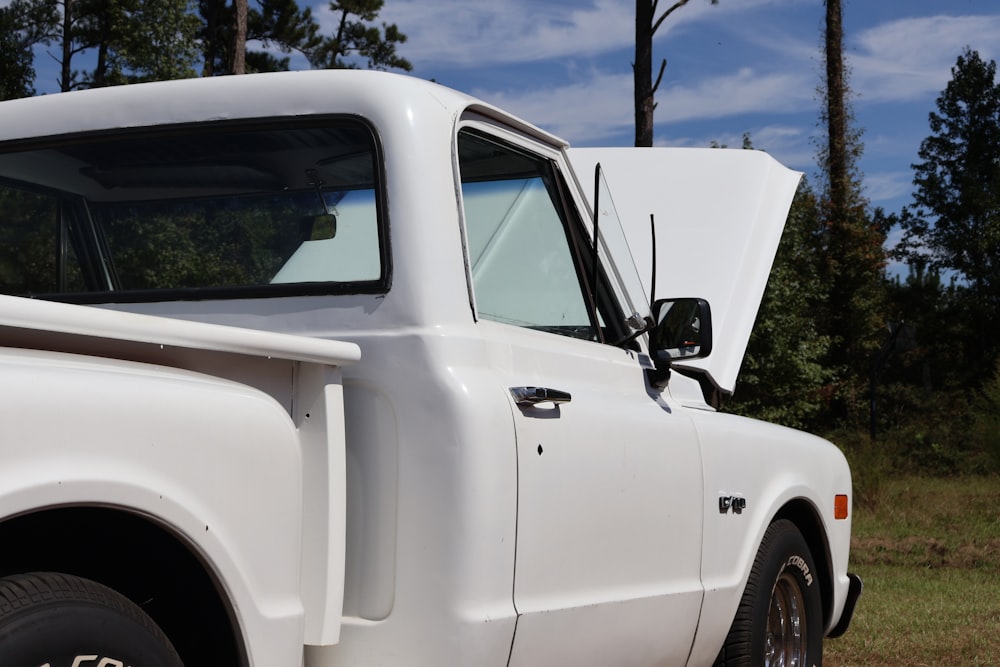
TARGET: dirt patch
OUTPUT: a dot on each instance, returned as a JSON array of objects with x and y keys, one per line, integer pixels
[{"x": 925, "y": 552}]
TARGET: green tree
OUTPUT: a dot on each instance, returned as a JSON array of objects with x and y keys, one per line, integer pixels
[
  {"x": 357, "y": 39},
  {"x": 23, "y": 25},
  {"x": 214, "y": 35},
  {"x": 783, "y": 376},
  {"x": 69, "y": 36},
  {"x": 646, "y": 25},
  {"x": 987, "y": 418},
  {"x": 918, "y": 373},
  {"x": 138, "y": 40},
  {"x": 281, "y": 24},
  {"x": 160, "y": 43},
  {"x": 273, "y": 23},
  {"x": 17, "y": 74},
  {"x": 954, "y": 222},
  {"x": 131, "y": 40}
]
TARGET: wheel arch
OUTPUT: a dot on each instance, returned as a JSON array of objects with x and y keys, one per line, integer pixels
[
  {"x": 139, "y": 558},
  {"x": 806, "y": 518}
]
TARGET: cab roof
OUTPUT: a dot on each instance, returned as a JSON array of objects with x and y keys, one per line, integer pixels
[{"x": 382, "y": 95}]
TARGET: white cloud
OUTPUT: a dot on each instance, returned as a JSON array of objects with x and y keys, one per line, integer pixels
[
  {"x": 485, "y": 45},
  {"x": 461, "y": 33},
  {"x": 746, "y": 91},
  {"x": 586, "y": 106},
  {"x": 888, "y": 187},
  {"x": 585, "y": 112},
  {"x": 912, "y": 58},
  {"x": 790, "y": 145}
]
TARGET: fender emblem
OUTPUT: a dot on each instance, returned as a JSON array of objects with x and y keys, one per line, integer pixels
[{"x": 735, "y": 503}]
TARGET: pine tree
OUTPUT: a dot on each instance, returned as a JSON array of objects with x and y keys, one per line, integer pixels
[
  {"x": 954, "y": 223},
  {"x": 23, "y": 24},
  {"x": 357, "y": 40},
  {"x": 280, "y": 23}
]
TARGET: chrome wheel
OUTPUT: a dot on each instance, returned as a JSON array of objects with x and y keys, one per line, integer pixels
[
  {"x": 779, "y": 622},
  {"x": 786, "y": 642}
]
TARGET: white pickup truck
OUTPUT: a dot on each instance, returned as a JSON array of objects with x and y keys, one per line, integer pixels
[{"x": 326, "y": 369}]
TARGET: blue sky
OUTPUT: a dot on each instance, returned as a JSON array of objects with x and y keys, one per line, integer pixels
[{"x": 739, "y": 66}]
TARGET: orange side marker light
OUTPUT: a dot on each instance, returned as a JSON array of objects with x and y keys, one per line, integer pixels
[{"x": 840, "y": 506}]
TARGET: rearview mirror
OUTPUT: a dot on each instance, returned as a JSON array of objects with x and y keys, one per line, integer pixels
[{"x": 682, "y": 330}]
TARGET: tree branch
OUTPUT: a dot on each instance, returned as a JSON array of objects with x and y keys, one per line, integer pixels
[
  {"x": 659, "y": 77},
  {"x": 673, "y": 8}
]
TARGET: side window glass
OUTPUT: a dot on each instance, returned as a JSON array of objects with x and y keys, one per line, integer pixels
[{"x": 520, "y": 256}]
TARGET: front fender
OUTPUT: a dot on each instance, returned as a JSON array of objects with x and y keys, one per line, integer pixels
[
  {"x": 776, "y": 471},
  {"x": 216, "y": 462}
]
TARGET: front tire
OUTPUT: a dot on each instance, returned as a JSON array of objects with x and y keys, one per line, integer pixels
[
  {"x": 779, "y": 622},
  {"x": 57, "y": 620}
]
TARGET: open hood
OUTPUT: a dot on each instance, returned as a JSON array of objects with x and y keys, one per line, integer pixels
[{"x": 719, "y": 215}]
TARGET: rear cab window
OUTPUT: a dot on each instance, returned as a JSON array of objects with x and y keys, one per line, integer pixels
[{"x": 195, "y": 212}]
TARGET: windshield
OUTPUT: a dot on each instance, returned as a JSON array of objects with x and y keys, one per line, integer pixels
[{"x": 194, "y": 213}]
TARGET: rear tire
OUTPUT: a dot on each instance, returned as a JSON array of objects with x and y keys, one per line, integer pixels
[
  {"x": 779, "y": 622},
  {"x": 57, "y": 620}
]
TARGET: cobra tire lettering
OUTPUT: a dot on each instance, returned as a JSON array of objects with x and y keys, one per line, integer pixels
[
  {"x": 93, "y": 661},
  {"x": 799, "y": 562}
]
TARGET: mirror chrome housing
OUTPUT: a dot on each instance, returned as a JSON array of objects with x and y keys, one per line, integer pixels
[{"x": 682, "y": 330}]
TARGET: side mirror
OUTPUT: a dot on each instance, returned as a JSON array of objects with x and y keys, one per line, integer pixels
[{"x": 682, "y": 330}]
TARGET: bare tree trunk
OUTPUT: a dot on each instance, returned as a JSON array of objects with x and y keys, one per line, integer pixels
[
  {"x": 239, "y": 65},
  {"x": 836, "y": 110},
  {"x": 65, "y": 82},
  {"x": 644, "y": 88},
  {"x": 642, "y": 73}
]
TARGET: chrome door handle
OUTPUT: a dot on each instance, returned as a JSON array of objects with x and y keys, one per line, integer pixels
[{"x": 533, "y": 395}]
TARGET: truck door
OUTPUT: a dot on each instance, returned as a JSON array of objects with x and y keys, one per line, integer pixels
[{"x": 609, "y": 473}]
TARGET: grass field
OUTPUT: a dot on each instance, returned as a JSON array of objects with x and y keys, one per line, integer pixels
[{"x": 929, "y": 554}]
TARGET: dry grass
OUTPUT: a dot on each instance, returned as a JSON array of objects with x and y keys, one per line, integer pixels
[{"x": 930, "y": 557}]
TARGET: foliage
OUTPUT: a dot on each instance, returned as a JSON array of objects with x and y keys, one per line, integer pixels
[
  {"x": 282, "y": 24},
  {"x": 924, "y": 378},
  {"x": 851, "y": 244},
  {"x": 986, "y": 421},
  {"x": 143, "y": 40},
  {"x": 357, "y": 39},
  {"x": 276, "y": 24},
  {"x": 137, "y": 40},
  {"x": 23, "y": 24},
  {"x": 782, "y": 375},
  {"x": 27, "y": 255},
  {"x": 954, "y": 223},
  {"x": 16, "y": 71},
  {"x": 871, "y": 465}
]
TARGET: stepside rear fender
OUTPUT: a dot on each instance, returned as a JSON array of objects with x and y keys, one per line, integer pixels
[{"x": 231, "y": 438}]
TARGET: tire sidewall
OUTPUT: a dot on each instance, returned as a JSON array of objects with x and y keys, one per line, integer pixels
[
  {"x": 785, "y": 552},
  {"x": 92, "y": 628}
]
